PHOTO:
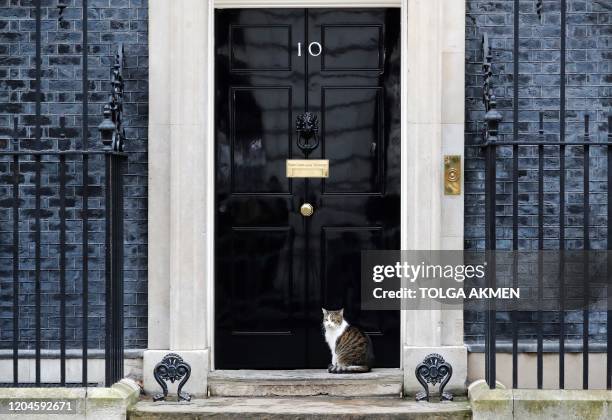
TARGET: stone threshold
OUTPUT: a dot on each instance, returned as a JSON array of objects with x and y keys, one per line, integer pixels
[
  {"x": 301, "y": 408},
  {"x": 304, "y": 382}
]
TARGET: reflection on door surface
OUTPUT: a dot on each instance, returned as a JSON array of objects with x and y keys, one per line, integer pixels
[{"x": 274, "y": 267}]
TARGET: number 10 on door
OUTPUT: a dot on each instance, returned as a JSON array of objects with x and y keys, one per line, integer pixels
[{"x": 314, "y": 48}]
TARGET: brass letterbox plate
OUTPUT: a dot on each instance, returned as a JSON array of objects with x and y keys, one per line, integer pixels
[
  {"x": 452, "y": 175},
  {"x": 307, "y": 168}
]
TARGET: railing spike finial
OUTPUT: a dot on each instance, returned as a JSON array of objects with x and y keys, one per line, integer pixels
[
  {"x": 62, "y": 123},
  {"x": 492, "y": 119},
  {"x": 16, "y": 133},
  {"x": 492, "y": 116},
  {"x": 111, "y": 128},
  {"x": 107, "y": 128},
  {"x": 539, "y": 8},
  {"x": 61, "y": 6},
  {"x": 487, "y": 72}
]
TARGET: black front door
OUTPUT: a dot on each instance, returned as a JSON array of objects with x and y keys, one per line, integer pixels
[{"x": 276, "y": 268}]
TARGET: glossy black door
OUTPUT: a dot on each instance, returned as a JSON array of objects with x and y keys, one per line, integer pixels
[{"x": 275, "y": 269}]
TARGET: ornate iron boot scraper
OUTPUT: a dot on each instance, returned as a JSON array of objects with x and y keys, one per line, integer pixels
[
  {"x": 172, "y": 368},
  {"x": 433, "y": 369}
]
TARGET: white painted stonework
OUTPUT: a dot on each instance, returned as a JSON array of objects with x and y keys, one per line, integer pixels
[
  {"x": 177, "y": 276},
  {"x": 181, "y": 172},
  {"x": 434, "y": 83}
]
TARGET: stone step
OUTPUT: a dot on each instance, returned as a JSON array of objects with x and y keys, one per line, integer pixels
[
  {"x": 304, "y": 382},
  {"x": 324, "y": 408}
]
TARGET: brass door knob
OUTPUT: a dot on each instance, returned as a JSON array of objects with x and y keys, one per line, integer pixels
[{"x": 306, "y": 210}]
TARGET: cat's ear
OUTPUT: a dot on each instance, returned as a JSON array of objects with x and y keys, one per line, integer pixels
[
  {"x": 342, "y": 312},
  {"x": 324, "y": 311}
]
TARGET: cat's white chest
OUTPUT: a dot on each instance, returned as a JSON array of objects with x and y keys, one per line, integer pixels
[{"x": 331, "y": 336}]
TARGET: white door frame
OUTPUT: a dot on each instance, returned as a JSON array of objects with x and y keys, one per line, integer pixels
[
  {"x": 210, "y": 183},
  {"x": 181, "y": 153}
]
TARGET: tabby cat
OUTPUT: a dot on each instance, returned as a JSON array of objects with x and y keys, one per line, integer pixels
[{"x": 351, "y": 349}]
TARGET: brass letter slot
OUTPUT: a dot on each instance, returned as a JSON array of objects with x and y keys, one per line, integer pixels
[
  {"x": 452, "y": 175},
  {"x": 307, "y": 168}
]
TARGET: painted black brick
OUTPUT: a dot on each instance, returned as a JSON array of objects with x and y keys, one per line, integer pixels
[
  {"x": 110, "y": 22},
  {"x": 588, "y": 91}
]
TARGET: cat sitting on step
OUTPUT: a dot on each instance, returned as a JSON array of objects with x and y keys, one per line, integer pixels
[{"x": 350, "y": 347}]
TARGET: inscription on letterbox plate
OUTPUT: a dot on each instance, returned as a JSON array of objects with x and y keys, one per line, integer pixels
[{"x": 307, "y": 168}]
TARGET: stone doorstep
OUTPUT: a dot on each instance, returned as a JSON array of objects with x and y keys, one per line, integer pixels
[
  {"x": 304, "y": 382},
  {"x": 229, "y": 408}
]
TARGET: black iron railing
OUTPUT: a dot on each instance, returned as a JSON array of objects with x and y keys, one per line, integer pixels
[
  {"x": 63, "y": 232},
  {"x": 61, "y": 227},
  {"x": 71, "y": 181},
  {"x": 550, "y": 158},
  {"x": 560, "y": 152}
]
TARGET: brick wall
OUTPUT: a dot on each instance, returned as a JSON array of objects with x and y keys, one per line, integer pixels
[
  {"x": 588, "y": 91},
  {"x": 110, "y": 22}
]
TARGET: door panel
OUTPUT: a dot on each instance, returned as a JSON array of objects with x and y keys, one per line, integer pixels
[
  {"x": 352, "y": 47},
  {"x": 275, "y": 269},
  {"x": 260, "y": 47},
  {"x": 341, "y": 263},
  {"x": 352, "y": 136},
  {"x": 260, "y": 139},
  {"x": 262, "y": 285}
]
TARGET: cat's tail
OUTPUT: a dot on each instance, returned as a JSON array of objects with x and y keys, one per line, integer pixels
[{"x": 350, "y": 369}]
